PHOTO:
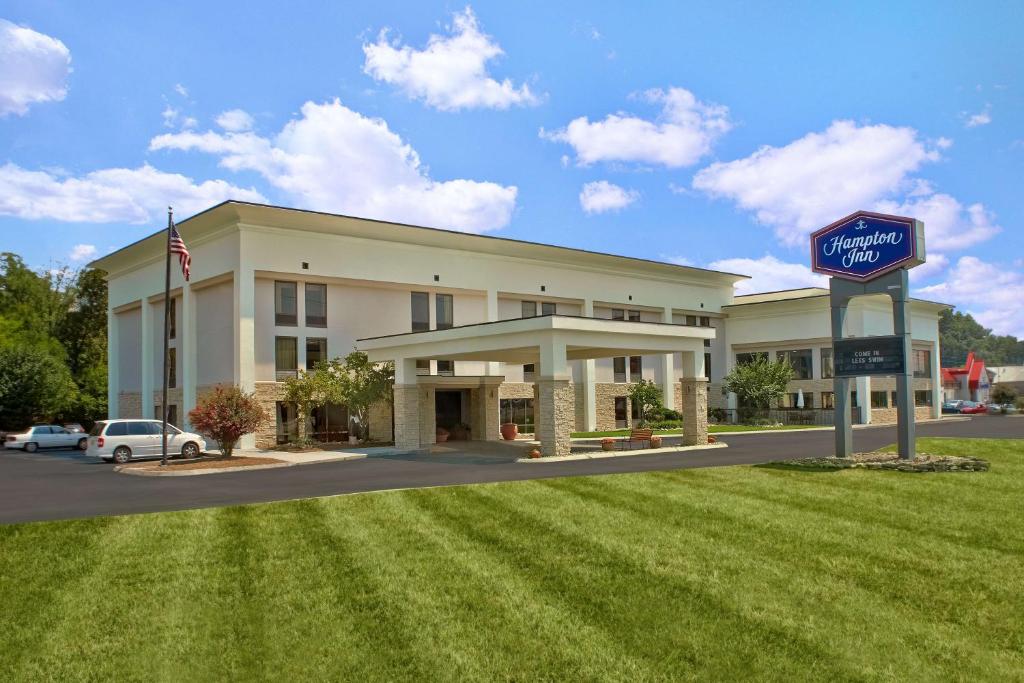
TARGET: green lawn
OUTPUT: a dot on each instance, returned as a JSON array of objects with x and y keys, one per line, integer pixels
[
  {"x": 713, "y": 429},
  {"x": 713, "y": 574}
]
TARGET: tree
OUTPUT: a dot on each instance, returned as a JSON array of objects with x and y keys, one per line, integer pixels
[
  {"x": 363, "y": 384},
  {"x": 309, "y": 389},
  {"x": 960, "y": 333},
  {"x": 1002, "y": 393},
  {"x": 83, "y": 334},
  {"x": 646, "y": 396},
  {"x": 34, "y": 386},
  {"x": 760, "y": 382},
  {"x": 226, "y": 414}
]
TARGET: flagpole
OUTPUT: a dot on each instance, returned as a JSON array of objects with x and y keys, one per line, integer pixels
[{"x": 167, "y": 318}]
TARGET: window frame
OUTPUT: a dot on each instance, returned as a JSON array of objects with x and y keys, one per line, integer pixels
[
  {"x": 323, "y": 347},
  {"x": 528, "y": 309},
  {"x": 424, "y": 299},
  {"x": 286, "y": 319},
  {"x": 830, "y": 372},
  {"x": 548, "y": 308},
  {"x": 616, "y": 373},
  {"x": 315, "y": 321},
  {"x": 804, "y": 354},
  {"x": 438, "y": 299},
  {"x": 281, "y": 373}
]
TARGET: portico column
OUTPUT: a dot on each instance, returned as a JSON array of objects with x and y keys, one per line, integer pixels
[
  {"x": 187, "y": 353},
  {"x": 936, "y": 372},
  {"x": 556, "y": 398},
  {"x": 588, "y": 377},
  {"x": 113, "y": 364},
  {"x": 407, "y": 405},
  {"x": 491, "y": 368},
  {"x": 146, "y": 368},
  {"x": 695, "y": 399},
  {"x": 668, "y": 369},
  {"x": 864, "y": 399},
  {"x": 244, "y": 375}
]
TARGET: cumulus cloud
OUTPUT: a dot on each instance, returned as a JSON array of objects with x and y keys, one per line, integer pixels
[
  {"x": 450, "y": 73},
  {"x": 82, "y": 252},
  {"x": 601, "y": 196},
  {"x": 982, "y": 118},
  {"x": 936, "y": 264},
  {"x": 769, "y": 274},
  {"x": 684, "y": 132},
  {"x": 948, "y": 225},
  {"x": 34, "y": 68},
  {"x": 992, "y": 293},
  {"x": 235, "y": 121},
  {"x": 121, "y": 195},
  {"x": 332, "y": 158}
]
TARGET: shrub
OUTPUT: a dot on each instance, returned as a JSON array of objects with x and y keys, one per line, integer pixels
[
  {"x": 226, "y": 415},
  {"x": 717, "y": 414},
  {"x": 646, "y": 397},
  {"x": 666, "y": 424},
  {"x": 1002, "y": 393},
  {"x": 759, "y": 383},
  {"x": 34, "y": 385}
]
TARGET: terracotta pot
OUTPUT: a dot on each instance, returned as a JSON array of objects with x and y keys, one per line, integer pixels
[
  {"x": 655, "y": 442},
  {"x": 509, "y": 431},
  {"x": 442, "y": 436},
  {"x": 608, "y": 445},
  {"x": 712, "y": 439},
  {"x": 535, "y": 453}
]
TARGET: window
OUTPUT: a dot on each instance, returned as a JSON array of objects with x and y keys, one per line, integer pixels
[
  {"x": 518, "y": 411},
  {"x": 444, "y": 311},
  {"x": 529, "y": 309},
  {"x": 316, "y": 305},
  {"x": 636, "y": 368},
  {"x": 800, "y": 360},
  {"x": 529, "y": 372},
  {"x": 329, "y": 422},
  {"x": 285, "y": 304},
  {"x": 316, "y": 351},
  {"x": 287, "y": 428},
  {"x": 143, "y": 429},
  {"x": 892, "y": 400},
  {"x": 618, "y": 314},
  {"x": 826, "y": 363},
  {"x": 286, "y": 358},
  {"x": 547, "y": 308},
  {"x": 634, "y": 412},
  {"x": 118, "y": 429},
  {"x": 922, "y": 363},
  {"x": 172, "y": 368},
  {"x": 854, "y": 403},
  {"x": 691, "y": 320},
  {"x": 879, "y": 399},
  {"x": 446, "y": 367},
  {"x": 828, "y": 400},
  {"x": 619, "y": 368},
  {"x": 792, "y": 400},
  {"x": 705, "y": 321},
  {"x": 423, "y": 367},
  {"x": 707, "y": 365},
  {"x": 420, "y": 311},
  {"x": 707, "y": 343},
  {"x": 634, "y": 316},
  {"x": 922, "y": 397},
  {"x": 172, "y": 417},
  {"x": 620, "y": 412},
  {"x": 172, "y": 322},
  {"x": 745, "y": 358}
]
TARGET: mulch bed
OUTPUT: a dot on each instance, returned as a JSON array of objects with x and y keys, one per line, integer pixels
[
  {"x": 879, "y": 460},
  {"x": 208, "y": 463}
]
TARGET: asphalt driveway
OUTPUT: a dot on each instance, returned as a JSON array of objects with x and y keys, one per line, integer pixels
[{"x": 67, "y": 484}]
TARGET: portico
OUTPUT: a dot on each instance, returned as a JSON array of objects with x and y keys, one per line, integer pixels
[{"x": 549, "y": 342}]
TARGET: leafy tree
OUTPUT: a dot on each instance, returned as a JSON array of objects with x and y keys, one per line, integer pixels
[
  {"x": 226, "y": 414},
  {"x": 646, "y": 396},
  {"x": 363, "y": 384},
  {"x": 83, "y": 333},
  {"x": 1002, "y": 393},
  {"x": 960, "y": 333},
  {"x": 760, "y": 382},
  {"x": 34, "y": 386},
  {"x": 310, "y": 389}
]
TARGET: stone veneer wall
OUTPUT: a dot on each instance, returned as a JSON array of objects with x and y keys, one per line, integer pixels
[
  {"x": 515, "y": 390},
  {"x": 889, "y": 415},
  {"x": 129, "y": 404},
  {"x": 557, "y": 416},
  {"x": 380, "y": 421},
  {"x": 605, "y": 394},
  {"x": 268, "y": 394}
]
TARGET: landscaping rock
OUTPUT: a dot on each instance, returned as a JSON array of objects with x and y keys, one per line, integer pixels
[{"x": 878, "y": 460}]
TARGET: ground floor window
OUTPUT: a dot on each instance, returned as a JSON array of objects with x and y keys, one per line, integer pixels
[
  {"x": 923, "y": 397},
  {"x": 518, "y": 411},
  {"x": 529, "y": 372},
  {"x": 879, "y": 399},
  {"x": 792, "y": 400},
  {"x": 172, "y": 413},
  {"x": 619, "y": 368},
  {"x": 634, "y": 412},
  {"x": 287, "y": 424},
  {"x": 892, "y": 399},
  {"x": 329, "y": 422},
  {"x": 423, "y": 367},
  {"x": 620, "y": 412},
  {"x": 828, "y": 400}
]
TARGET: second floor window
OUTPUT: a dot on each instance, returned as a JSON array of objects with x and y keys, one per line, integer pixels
[
  {"x": 529, "y": 309},
  {"x": 420, "y": 311},
  {"x": 547, "y": 308},
  {"x": 172, "y": 322},
  {"x": 316, "y": 351},
  {"x": 286, "y": 357},
  {"x": 285, "y": 304},
  {"x": 636, "y": 368},
  {"x": 316, "y": 305},
  {"x": 618, "y": 314},
  {"x": 801, "y": 362},
  {"x": 529, "y": 372},
  {"x": 619, "y": 368},
  {"x": 922, "y": 363},
  {"x": 707, "y": 365},
  {"x": 446, "y": 368},
  {"x": 172, "y": 368},
  {"x": 445, "y": 312},
  {"x": 634, "y": 316}
]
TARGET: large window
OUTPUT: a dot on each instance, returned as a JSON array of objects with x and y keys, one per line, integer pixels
[
  {"x": 705, "y": 321},
  {"x": 529, "y": 309},
  {"x": 828, "y": 400},
  {"x": 879, "y": 399},
  {"x": 634, "y": 316},
  {"x": 285, "y": 304},
  {"x": 287, "y": 424},
  {"x": 801, "y": 362},
  {"x": 446, "y": 368},
  {"x": 547, "y": 308},
  {"x": 316, "y": 305},
  {"x": 618, "y": 314},
  {"x": 423, "y": 367},
  {"x": 792, "y": 400},
  {"x": 745, "y": 358},
  {"x": 691, "y": 320},
  {"x": 172, "y": 368},
  {"x": 636, "y": 368},
  {"x": 420, "y": 311},
  {"x": 286, "y": 358},
  {"x": 619, "y": 369},
  {"x": 707, "y": 365},
  {"x": 444, "y": 311},
  {"x": 518, "y": 411},
  {"x": 316, "y": 351},
  {"x": 620, "y": 412},
  {"x": 826, "y": 363},
  {"x": 529, "y": 372},
  {"x": 922, "y": 363},
  {"x": 329, "y": 422},
  {"x": 923, "y": 397}
]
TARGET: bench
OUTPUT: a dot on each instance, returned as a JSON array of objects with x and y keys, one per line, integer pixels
[{"x": 636, "y": 436}]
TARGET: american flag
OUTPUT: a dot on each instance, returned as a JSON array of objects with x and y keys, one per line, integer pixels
[{"x": 178, "y": 247}]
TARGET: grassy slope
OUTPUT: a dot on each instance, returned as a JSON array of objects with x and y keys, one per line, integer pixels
[
  {"x": 713, "y": 429},
  {"x": 709, "y": 574}
]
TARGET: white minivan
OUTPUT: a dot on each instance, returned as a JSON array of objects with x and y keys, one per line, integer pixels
[{"x": 124, "y": 440}]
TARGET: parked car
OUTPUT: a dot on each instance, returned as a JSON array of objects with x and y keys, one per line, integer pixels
[
  {"x": 952, "y": 406},
  {"x": 124, "y": 440},
  {"x": 972, "y": 408},
  {"x": 1002, "y": 409},
  {"x": 74, "y": 427},
  {"x": 45, "y": 436}
]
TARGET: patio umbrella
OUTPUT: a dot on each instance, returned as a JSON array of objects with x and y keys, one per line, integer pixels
[{"x": 800, "y": 398}]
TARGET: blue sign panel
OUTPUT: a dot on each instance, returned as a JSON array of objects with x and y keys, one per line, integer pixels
[{"x": 864, "y": 245}]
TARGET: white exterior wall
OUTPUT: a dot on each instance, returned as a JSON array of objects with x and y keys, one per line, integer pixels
[
  {"x": 129, "y": 360},
  {"x": 214, "y": 334}
]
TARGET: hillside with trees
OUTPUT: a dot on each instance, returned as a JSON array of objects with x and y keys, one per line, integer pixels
[{"x": 960, "y": 333}]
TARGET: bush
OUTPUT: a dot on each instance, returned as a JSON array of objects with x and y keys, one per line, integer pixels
[
  {"x": 666, "y": 424},
  {"x": 34, "y": 386},
  {"x": 717, "y": 414},
  {"x": 1002, "y": 393},
  {"x": 666, "y": 414},
  {"x": 226, "y": 415}
]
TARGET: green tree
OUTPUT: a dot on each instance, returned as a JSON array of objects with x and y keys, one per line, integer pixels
[
  {"x": 310, "y": 389},
  {"x": 226, "y": 414},
  {"x": 646, "y": 396},
  {"x": 760, "y": 382},
  {"x": 363, "y": 384},
  {"x": 1002, "y": 393},
  {"x": 34, "y": 386},
  {"x": 960, "y": 333},
  {"x": 83, "y": 334}
]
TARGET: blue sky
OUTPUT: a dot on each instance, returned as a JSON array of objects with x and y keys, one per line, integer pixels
[{"x": 709, "y": 135}]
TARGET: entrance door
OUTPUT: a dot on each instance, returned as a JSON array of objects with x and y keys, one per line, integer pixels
[{"x": 448, "y": 405}]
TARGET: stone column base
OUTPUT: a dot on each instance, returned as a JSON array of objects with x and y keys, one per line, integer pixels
[
  {"x": 557, "y": 415},
  {"x": 407, "y": 416},
  {"x": 694, "y": 408}
]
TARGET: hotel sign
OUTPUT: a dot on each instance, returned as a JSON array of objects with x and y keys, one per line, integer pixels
[
  {"x": 868, "y": 356},
  {"x": 865, "y": 245}
]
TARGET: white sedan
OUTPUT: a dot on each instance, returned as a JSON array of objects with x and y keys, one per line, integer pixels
[{"x": 46, "y": 436}]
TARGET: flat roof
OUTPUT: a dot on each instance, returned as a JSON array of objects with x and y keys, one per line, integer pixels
[{"x": 805, "y": 293}]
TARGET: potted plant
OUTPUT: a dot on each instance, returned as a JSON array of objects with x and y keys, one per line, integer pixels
[
  {"x": 655, "y": 441},
  {"x": 441, "y": 434},
  {"x": 509, "y": 431},
  {"x": 608, "y": 444},
  {"x": 712, "y": 439},
  {"x": 535, "y": 453},
  {"x": 460, "y": 432}
]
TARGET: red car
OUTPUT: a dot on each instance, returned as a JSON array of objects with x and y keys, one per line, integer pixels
[{"x": 972, "y": 408}]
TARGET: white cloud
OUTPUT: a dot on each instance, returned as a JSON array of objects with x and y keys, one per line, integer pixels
[
  {"x": 334, "y": 159},
  {"x": 82, "y": 252},
  {"x": 769, "y": 274},
  {"x": 173, "y": 118},
  {"x": 682, "y": 134},
  {"x": 947, "y": 224},
  {"x": 450, "y": 73},
  {"x": 34, "y": 68},
  {"x": 113, "y": 195},
  {"x": 990, "y": 292},
  {"x": 235, "y": 121},
  {"x": 820, "y": 177},
  {"x": 181, "y": 90},
  {"x": 934, "y": 265},
  {"x": 601, "y": 196},
  {"x": 982, "y": 118}
]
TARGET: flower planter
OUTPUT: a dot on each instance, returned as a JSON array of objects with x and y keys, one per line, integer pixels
[
  {"x": 442, "y": 435},
  {"x": 655, "y": 442},
  {"x": 509, "y": 431},
  {"x": 607, "y": 444},
  {"x": 535, "y": 453}
]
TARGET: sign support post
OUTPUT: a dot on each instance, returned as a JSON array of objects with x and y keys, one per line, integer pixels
[
  {"x": 841, "y": 390},
  {"x": 905, "y": 380}
]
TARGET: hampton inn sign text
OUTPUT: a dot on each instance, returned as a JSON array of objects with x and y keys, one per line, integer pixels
[{"x": 867, "y": 245}]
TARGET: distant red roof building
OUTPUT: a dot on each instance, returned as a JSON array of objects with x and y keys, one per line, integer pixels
[{"x": 969, "y": 383}]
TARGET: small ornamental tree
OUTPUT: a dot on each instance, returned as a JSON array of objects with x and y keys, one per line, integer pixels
[
  {"x": 362, "y": 384},
  {"x": 760, "y": 382},
  {"x": 1002, "y": 393},
  {"x": 310, "y": 389},
  {"x": 226, "y": 414},
  {"x": 646, "y": 396}
]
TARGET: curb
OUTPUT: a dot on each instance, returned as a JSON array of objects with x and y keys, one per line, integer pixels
[
  {"x": 601, "y": 455},
  {"x": 138, "y": 472}
]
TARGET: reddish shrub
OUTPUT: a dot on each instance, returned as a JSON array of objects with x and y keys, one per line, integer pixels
[{"x": 226, "y": 414}]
